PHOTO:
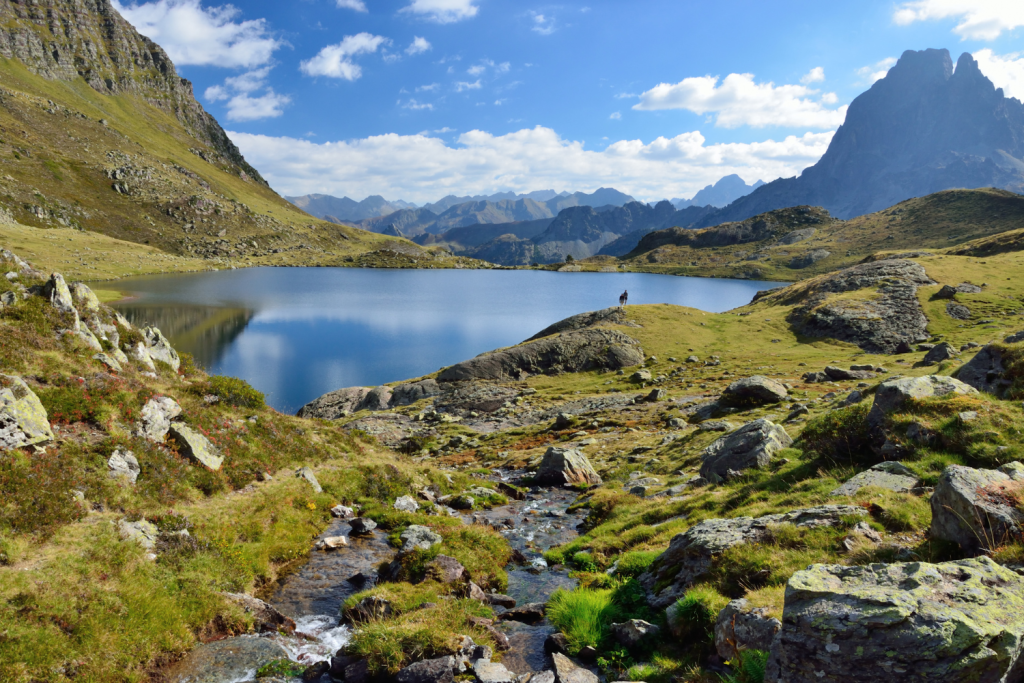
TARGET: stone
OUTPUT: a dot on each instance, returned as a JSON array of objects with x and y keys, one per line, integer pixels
[
  {"x": 446, "y": 570},
  {"x": 840, "y": 375},
  {"x": 986, "y": 372},
  {"x": 942, "y": 352},
  {"x": 140, "y": 354},
  {"x": 715, "y": 426},
  {"x": 370, "y": 608},
  {"x": 265, "y": 617},
  {"x": 487, "y": 671},
  {"x": 958, "y": 311},
  {"x": 362, "y": 525},
  {"x": 567, "y": 672},
  {"x": 753, "y": 391},
  {"x": 562, "y": 466},
  {"x": 108, "y": 362},
  {"x": 655, "y": 396},
  {"x": 975, "y": 508},
  {"x": 85, "y": 335},
  {"x": 406, "y": 504},
  {"x": 334, "y": 405},
  {"x": 417, "y": 536},
  {"x": 309, "y": 477},
  {"x": 155, "y": 418},
  {"x": 690, "y": 555},
  {"x": 942, "y": 623},
  {"x": 475, "y": 592},
  {"x": 357, "y": 672},
  {"x": 630, "y": 633},
  {"x": 893, "y": 394},
  {"x": 583, "y": 321},
  {"x": 439, "y": 670},
  {"x": 640, "y": 376},
  {"x": 376, "y": 399},
  {"x": 751, "y": 446},
  {"x": 314, "y": 672},
  {"x": 331, "y": 543},
  {"x": 85, "y": 300},
  {"x": 564, "y": 421},
  {"x": 195, "y": 446},
  {"x": 530, "y": 613},
  {"x": 231, "y": 659},
  {"x": 556, "y": 642},
  {"x": 407, "y": 394},
  {"x": 809, "y": 259},
  {"x": 742, "y": 627},
  {"x": 123, "y": 464},
  {"x": 160, "y": 349},
  {"x": 23, "y": 419},
  {"x": 1015, "y": 338},
  {"x": 342, "y": 512},
  {"x": 887, "y": 475},
  {"x": 142, "y": 532},
  {"x": 501, "y": 600},
  {"x": 59, "y": 294}
]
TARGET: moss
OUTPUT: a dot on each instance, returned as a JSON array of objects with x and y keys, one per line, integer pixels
[{"x": 280, "y": 667}]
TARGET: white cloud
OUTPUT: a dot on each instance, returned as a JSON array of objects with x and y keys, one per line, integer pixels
[
  {"x": 334, "y": 61},
  {"x": 815, "y": 75},
  {"x": 739, "y": 101},
  {"x": 418, "y": 46},
  {"x": 428, "y": 88},
  {"x": 462, "y": 85},
  {"x": 626, "y": 96},
  {"x": 875, "y": 72},
  {"x": 446, "y": 129},
  {"x": 193, "y": 35},
  {"x": 1005, "y": 71},
  {"x": 357, "y": 5},
  {"x": 418, "y": 106},
  {"x": 615, "y": 116},
  {"x": 443, "y": 11},
  {"x": 476, "y": 70},
  {"x": 979, "y": 19},
  {"x": 485, "y": 64},
  {"x": 242, "y": 103},
  {"x": 543, "y": 24},
  {"x": 419, "y": 167}
]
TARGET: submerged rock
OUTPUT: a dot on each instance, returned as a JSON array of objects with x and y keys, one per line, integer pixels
[
  {"x": 23, "y": 419},
  {"x": 231, "y": 659},
  {"x": 752, "y": 445},
  {"x": 977, "y": 509},
  {"x": 562, "y": 466}
]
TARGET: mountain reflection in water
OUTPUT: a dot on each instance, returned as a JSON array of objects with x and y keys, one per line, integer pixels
[{"x": 203, "y": 331}]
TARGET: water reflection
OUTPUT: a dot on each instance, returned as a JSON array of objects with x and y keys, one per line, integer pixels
[{"x": 297, "y": 333}]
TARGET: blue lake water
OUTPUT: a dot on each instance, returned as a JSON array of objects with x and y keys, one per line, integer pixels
[{"x": 297, "y": 333}]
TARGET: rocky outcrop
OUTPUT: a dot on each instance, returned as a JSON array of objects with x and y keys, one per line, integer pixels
[
  {"x": 160, "y": 349},
  {"x": 690, "y": 554},
  {"x": 753, "y": 391},
  {"x": 23, "y": 419},
  {"x": 155, "y": 418},
  {"x": 809, "y": 259},
  {"x": 407, "y": 394},
  {"x": 741, "y": 627},
  {"x": 196, "y": 447},
  {"x": 978, "y": 509},
  {"x": 942, "y": 623},
  {"x": 576, "y": 351},
  {"x": 887, "y": 475},
  {"x": 562, "y": 466},
  {"x": 583, "y": 321},
  {"x": 123, "y": 464},
  {"x": 334, "y": 405},
  {"x": 892, "y": 395},
  {"x": 986, "y": 371},
  {"x": 751, "y": 446},
  {"x": 265, "y": 617}
]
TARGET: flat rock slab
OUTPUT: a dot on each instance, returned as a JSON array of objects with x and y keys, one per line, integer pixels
[
  {"x": 196, "y": 447},
  {"x": 233, "y": 659},
  {"x": 887, "y": 475}
]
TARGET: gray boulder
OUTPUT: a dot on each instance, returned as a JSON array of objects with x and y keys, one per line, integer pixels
[
  {"x": 640, "y": 376},
  {"x": 416, "y": 536},
  {"x": 941, "y": 353},
  {"x": 85, "y": 299},
  {"x": 123, "y": 464},
  {"x": 362, "y": 525},
  {"x": 140, "y": 354},
  {"x": 59, "y": 294},
  {"x": 691, "y": 554},
  {"x": 986, "y": 371},
  {"x": 891, "y": 396},
  {"x": 809, "y": 259},
  {"x": 378, "y": 398},
  {"x": 406, "y": 504},
  {"x": 840, "y": 375},
  {"x": 439, "y": 670},
  {"x": 1015, "y": 338},
  {"x": 307, "y": 475},
  {"x": 958, "y": 311},
  {"x": 265, "y": 616},
  {"x": 631, "y": 633},
  {"x": 562, "y": 466},
  {"x": 23, "y": 419},
  {"x": 142, "y": 532},
  {"x": 974, "y": 507},
  {"x": 446, "y": 570},
  {"x": 407, "y": 394},
  {"x": 752, "y": 445},
  {"x": 742, "y": 627},
  {"x": 195, "y": 447},
  {"x": 887, "y": 475},
  {"x": 160, "y": 349},
  {"x": 334, "y": 405},
  {"x": 155, "y": 418},
  {"x": 752, "y": 392},
  {"x": 577, "y": 351},
  {"x": 797, "y": 236},
  {"x": 487, "y": 671},
  {"x": 567, "y": 672},
  {"x": 941, "y": 623},
  {"x": 108, "y": 362}
]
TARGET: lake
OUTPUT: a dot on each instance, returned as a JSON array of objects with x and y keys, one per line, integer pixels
[{"x": 298, "y": 333}]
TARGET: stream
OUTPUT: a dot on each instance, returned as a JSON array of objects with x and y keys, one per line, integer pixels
[{"x": 313, "y": 595}]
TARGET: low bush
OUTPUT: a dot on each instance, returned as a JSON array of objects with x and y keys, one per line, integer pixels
[
  {"x": 840, "y": 435},
  {"x": 235, "y": 392}
]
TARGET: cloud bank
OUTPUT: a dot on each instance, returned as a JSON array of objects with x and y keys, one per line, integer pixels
[{"x": 979, "y": 19}]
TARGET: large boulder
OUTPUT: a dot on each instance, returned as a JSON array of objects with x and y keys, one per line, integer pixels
[
  {"x": 809, "y": 259},
  {"x": 59, "y": 294},
  {"x": 752, "y": 392},
  {"x": 887, "y": 475},
  {"x": 23, "y": 419},
  {"x": 941, "y": 623},
  {"x": 940, "y": 353},
  {"x": 583, "y": 321},
  {"x": 160, "y": 349},
  {"x": 562, "y": 466},
  {"x": 752, "y": 445},
  {"x": 986, "y": 371},
  {"x": 977, "y": 508},
  {"x": 407, "y": 394},
  {"x": 195, "y": 446},
  {"x": 576, "y": 351},
  {"x": 891, "y": 396},
  {"x": 155, "y": 418},
  {"x": 742, "y": 627},
  {"x": 85, "y": 299},
  {"x": 334, "y": 405},
  {"x": 690, "y": 554},
  {"x": 842, "y": 375},
  {"x": 140, "y": 354}
]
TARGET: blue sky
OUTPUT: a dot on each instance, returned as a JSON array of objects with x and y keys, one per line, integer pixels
[{"x": 416, "y": 99}]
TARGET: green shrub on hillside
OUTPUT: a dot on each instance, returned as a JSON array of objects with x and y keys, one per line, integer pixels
[
  {"x": 697, "y": 611},
  {"x": 235, "y": 392},
  {"x": 840, "y": 435}
]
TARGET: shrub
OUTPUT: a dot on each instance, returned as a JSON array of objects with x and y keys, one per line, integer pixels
[
  {"x": 748, "y": 667},
  {"x": 236, "y": 392},
  {"x": 35, "y": 492},
  {"x": 841, "y": 435}
]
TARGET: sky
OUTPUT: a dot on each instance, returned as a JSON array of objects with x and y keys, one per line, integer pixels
[{"x": 418, "y": 99}]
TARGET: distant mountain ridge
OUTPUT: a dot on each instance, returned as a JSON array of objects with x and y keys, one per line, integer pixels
[
  {"x": 343, "y": 209},
  {"x": 723, "y": 193}
]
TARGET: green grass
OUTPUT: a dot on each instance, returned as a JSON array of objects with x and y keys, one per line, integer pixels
[{"x": 583, "y": 615}]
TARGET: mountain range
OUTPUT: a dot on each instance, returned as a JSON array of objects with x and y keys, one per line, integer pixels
[{"x": 721, "y": 194}]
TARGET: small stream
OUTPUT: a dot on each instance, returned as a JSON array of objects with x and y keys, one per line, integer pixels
[{"x": 313, "y": 596}]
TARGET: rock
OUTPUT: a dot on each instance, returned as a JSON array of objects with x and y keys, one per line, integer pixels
[
  {"x": 630, "y": 633},
  {"x": 155, "y": 418},
  {"x": 231, "y": 659},
  {"x": 809, "y": 259},
  {"x": 942, "y": 623},
  {"x": 562, "y": 466},
  {"x": 986, "y": 372},
  {"x": 406, "y": 504},
  {"x": 475, "y": 592},
  {"x": 85, "y": 335},
  {"x": 334, "y": 405},
  {"x": 440, "y": 670},
  {"x": 108, "y": 362},
  {"x": 407, "y": 394},
  {"x": 160, "y": 349},
  {"x": 59, "y": 294},
  {"x": 947, "y": 292},
  {"x": 753, "y": 391},
  {"x": 887, "y": 475},
  {"x": 487, "y": 671},
  {"x": 715, "y": 426},
  {"x": 416, "y": 536},
  {"x": 264, "y": 616},
  {"x": 958, "y": 311},
  {"x": 342, "y": 512},
  {"x": 852, "y": 399},
  {"x": 362, "y": 525},
  {"x": 309, "y": 476},
  {"x": 140, "y": 354},
  {"x": 195, "y": 446},
  {"x": 23, "y": 419},
  {"x": 567, "y": 672},
  {"x": 314, "y": 672},
  {"x": 840, "y": 375},
  {"x": 690, "y": 554},
  {"x": 143, "y": 532},
  {"x": 530, "y": 613},
  {"x": 564, "y": 421},
  {"x": 655, "y": 396},
  {"x": 975, "y": 508},
  {"x": 742, "y": 627},
  {"x": 892, "y": 395},
  {"x": 84, "y": 298},
  {"x": 376, "y": 399},
  {"x": 576, "y": 351},
  {"x": 370, "y": 608},
  {"x": 331, "y": 543},
  {"x": 942, "y": 352},
  {"x": 752, "y": 445},
  {"x": 501, "y": 600},
  {"x": 640, "y": 376},
  {"x": 446, "y": 570},
  {"x": 1015, "y": 338},
  {"x": 357, "y": 672},
  {"x": 583, "y": 321},
  {"x": 556, "y": 642},
  {"x": 123, "y": 464}
]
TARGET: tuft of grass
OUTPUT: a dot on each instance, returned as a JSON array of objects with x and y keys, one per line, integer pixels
[
  {"x": 698, "y": 610},
  {"x": 840, "y": 435},
  {"x": 636, "y": 562},
  {"x": 583, "y": 615}
]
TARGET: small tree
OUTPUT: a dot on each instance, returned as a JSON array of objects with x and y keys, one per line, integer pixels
[{"x": 569, "y": 258}]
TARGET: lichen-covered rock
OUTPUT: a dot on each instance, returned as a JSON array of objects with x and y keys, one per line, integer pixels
[
  {"x": 23, "y": 419},
  {"x": 123, "y": 464},
  {"x": 894, "y": 394},
  {"x": 406, "y": 504},
  {"x": 752, "y": 445},
  {"x": 976, "y": 508},
  {"x": 986, "y": 371},
  {"x": 753, "y": 391},
  {"x": 140, "y": 354},
  {"x": 196, "y": 447},
  {"x": 407, "y": 394},
  {"x": 59, "y": 294},
  {"x": 85, "y": 300},
  {"x": 742, "y": 627},
  {"x": 941, "y": 623},
  {"x": 85, "y": 335},
  {"x": 562, "y": 466},
  {"x": 576, "y": 351},
  {"x": 567, "y": 672},
  {"x": 108, "y": 362},
  {"x": 160, "y": 349},
  {"x": 691, "y": 554},
  {"x": 309, "y": 477},
  {"x": 155, "y": 418},
  {"x": 142, "y": 532},
  {"x": 417, "y": 536},
  {"x": 887, "y": 475}
]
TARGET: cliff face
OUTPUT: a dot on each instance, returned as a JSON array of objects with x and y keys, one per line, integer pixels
[{"x": 89, "y": 39}]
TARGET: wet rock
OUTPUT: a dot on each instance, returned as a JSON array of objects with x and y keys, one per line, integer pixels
[
  {"x": 307, "y": 475},
  {"x": 887, "y": 475},
  {"x": 314, "y": 672},
  {"x": 331, "y": 543},
  {"x": 567, "y": 672},
  {"x": 123, "y": 464},
  {"x": 358, "y": 672},
  {"x": 986, "y": 372},
  {"x": 160, "y": 349},
  {"x": 23, "y": 419},
  {"x": 195, "y": 446},
  {"x": 950, "y": 622},
  {"x": 752, "y": 392},
  {"x": 108, "y": 362},
  {"x": 342, "y": 512},
  {"x": 446, "y": 570},
  {"x": 690, "y": 554},
  {"x": 487, "y": 671},
  {"x": 562, "y": 466},
  {"x": 155, "y": 418},
  {"x": 976, "y": 508},
  {"x": 577, "y": 351},
  {"x": 370, "y": 608},
  {"x": 530, "y": 613},
  {"x": 742, "y": 627},
  {"x": 501, "y": 600},
  {"x": 421, "y": 537},
  {"x": 362, "y": 525},
  {"x": 232, "y": 659},
  {"x": 142, "y": 532},
  {"x": 556, "y": 642},
  {"x": 942, "y": 352},
  {"x": 407, "y": 394},
  {"x": 752, "y": 445},
  {"x": 406, "y": 504},
  {"x": 440, "y": 670},
  {"x": 264, "y": 616},
  {"x": 892, "y": 395},
  {"x": 630, "y": 633}
]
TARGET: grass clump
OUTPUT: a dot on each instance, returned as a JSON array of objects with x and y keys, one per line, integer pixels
[
  {"x": 697, "y": 611},
  {"x": 284, "y": 668},
  {"x": 583, "y": 615},
  {"x": 840, "y": 435}
]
